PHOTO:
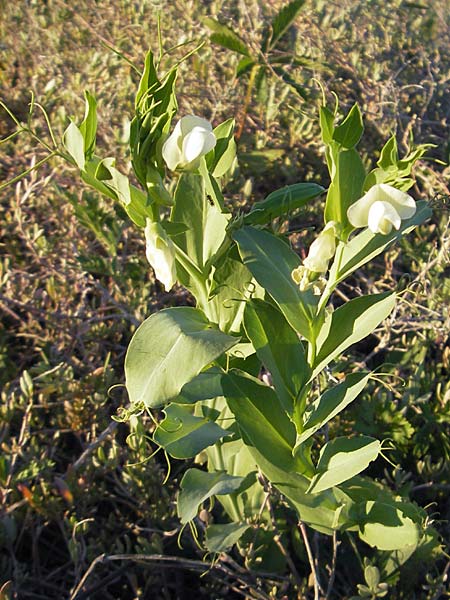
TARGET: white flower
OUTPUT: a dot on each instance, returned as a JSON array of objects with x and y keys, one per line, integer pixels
[
  {"x": 381, "y": 208},
  {"x": 322, "y": 249},
  {"x": 191, "y": 139},
  {"x": 160, "y": 252}
]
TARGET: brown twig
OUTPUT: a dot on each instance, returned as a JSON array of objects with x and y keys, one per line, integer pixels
[{"x": 317, "y": 587}]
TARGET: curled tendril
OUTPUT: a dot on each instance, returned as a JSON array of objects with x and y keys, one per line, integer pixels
[
  {"x": 179, "y": 544},
  {"x": 169, "y": 467},
  {"x": 144, "y": 460},
  {"x": 386, "y": 449},
  {"x": 194, "y": 532}
]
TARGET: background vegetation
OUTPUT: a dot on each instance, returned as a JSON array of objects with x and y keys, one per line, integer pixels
[{"x": 74, "y": 284}]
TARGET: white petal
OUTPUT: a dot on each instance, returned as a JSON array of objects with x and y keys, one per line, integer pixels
[
  {"x": 171, "y": 151},
  {"x": 382, "y": 217},
  {"x": 197, "y": 143},
  {"x": 321, "y": 250},
  {"x": 358, "y": 212},
  {"x": 188, "y": 123},
  {"x": 403, "y": 203}
]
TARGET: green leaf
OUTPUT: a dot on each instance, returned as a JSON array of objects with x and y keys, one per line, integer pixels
[
  {"x": 365, "y": 246},
  {"x": 282, "y": 21},
  {"x": 224, "y": 153},
  {"x": 349, "y": 324},
  {"x": 386, "y": 527},
  {"x": 341, "y": 459},
  {"x": 245, "y": 65},
  {"x": 231, "y": 281},
  {"x": 148, "y": 79},
  {"x": 206, "y": 225},
  {"x": 204, "y": 386},
  {"x": 349, "y": 132},
  {"x": 279, "y": 349},
  {"x": 197, "y": 486},
  {"x": 88, "y": 126},
  {"x": 74, "y": 144},
  {"x": 220, "y": 538},
  {"x": 282, "y": 202},
  {"x": 235, "y": 458},
  {"x": 184, "y": 435},
  {"x": 331, "y": 403},
  {"x": 261, "y": 418},
  {"x": 270, "y": 437},
  {"x": 389, "y": 154},
  {"x": 224, "y": 36},
  {"x": 271, "y": 262},
  {"x": 169, "y": 349},
  {"x": 348, "y": 174},
  {"x": 326, "y": 119}
]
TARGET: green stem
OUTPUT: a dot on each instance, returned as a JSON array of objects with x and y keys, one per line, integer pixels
[
  {"x": 331, "y": 285},
  {"x": 198, "y": 277},
  {"x": 27, "y": 171}
]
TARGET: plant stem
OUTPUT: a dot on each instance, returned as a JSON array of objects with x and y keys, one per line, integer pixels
[{"x": 317, "y": 586}]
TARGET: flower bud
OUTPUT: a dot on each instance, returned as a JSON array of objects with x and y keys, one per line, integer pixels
[
  {"x": 191, "y": 139},
  {"x": 381, "y": 208},
  {"x": 322, "y": 249},
  {"x": 160, "y": 252}
]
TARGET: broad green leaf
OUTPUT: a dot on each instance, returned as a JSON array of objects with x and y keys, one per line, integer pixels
[
  {"x": 346, "y": 187},
  {"x": 169, "y": 349},
  {"x": 205, "y": 223},
  {"x": 204, "y": 386},
  {"x": 331, "y": 403},
  {"x": 271, "y": 263},
  {"x": 224, "y": 36},
  {"x": 349, "y": 324},
  {"x": 88, "y": 126},
  {"x": 279, "y": 349},
  {"x": 341, "y": 459},
  {"x": 365, "y": 246},
  {"x": 184, "y": 435},
  {"x": 270, "y": 437},
  {"x": 282, "y": 21},
  {"x": 383, "y": 519},
  {"x": 325, "y": 512},
  {"x": 197, "y": 486},
  {"x": 234, "y": 458},
  {"x": 232, "y": 281},
  {"x": 349, "y": 132},
  {"x": 74, "y": 144},
  {"x": 220, "y": 538},
  {"x": 261, "y": 418},
  {"x": 282, "y": 202},
  {"x": 386, "y": 527}
]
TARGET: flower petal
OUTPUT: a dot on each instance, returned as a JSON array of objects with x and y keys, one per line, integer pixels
[
  {"x": 197, "y": 143},
  {"x": 188, "y": 122},
  {"x": 358, "y": 212},
  {"x": 171, "y": 150},
  {"x": 382, "y": 217},
  {"x": 403, "y": 203}
]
